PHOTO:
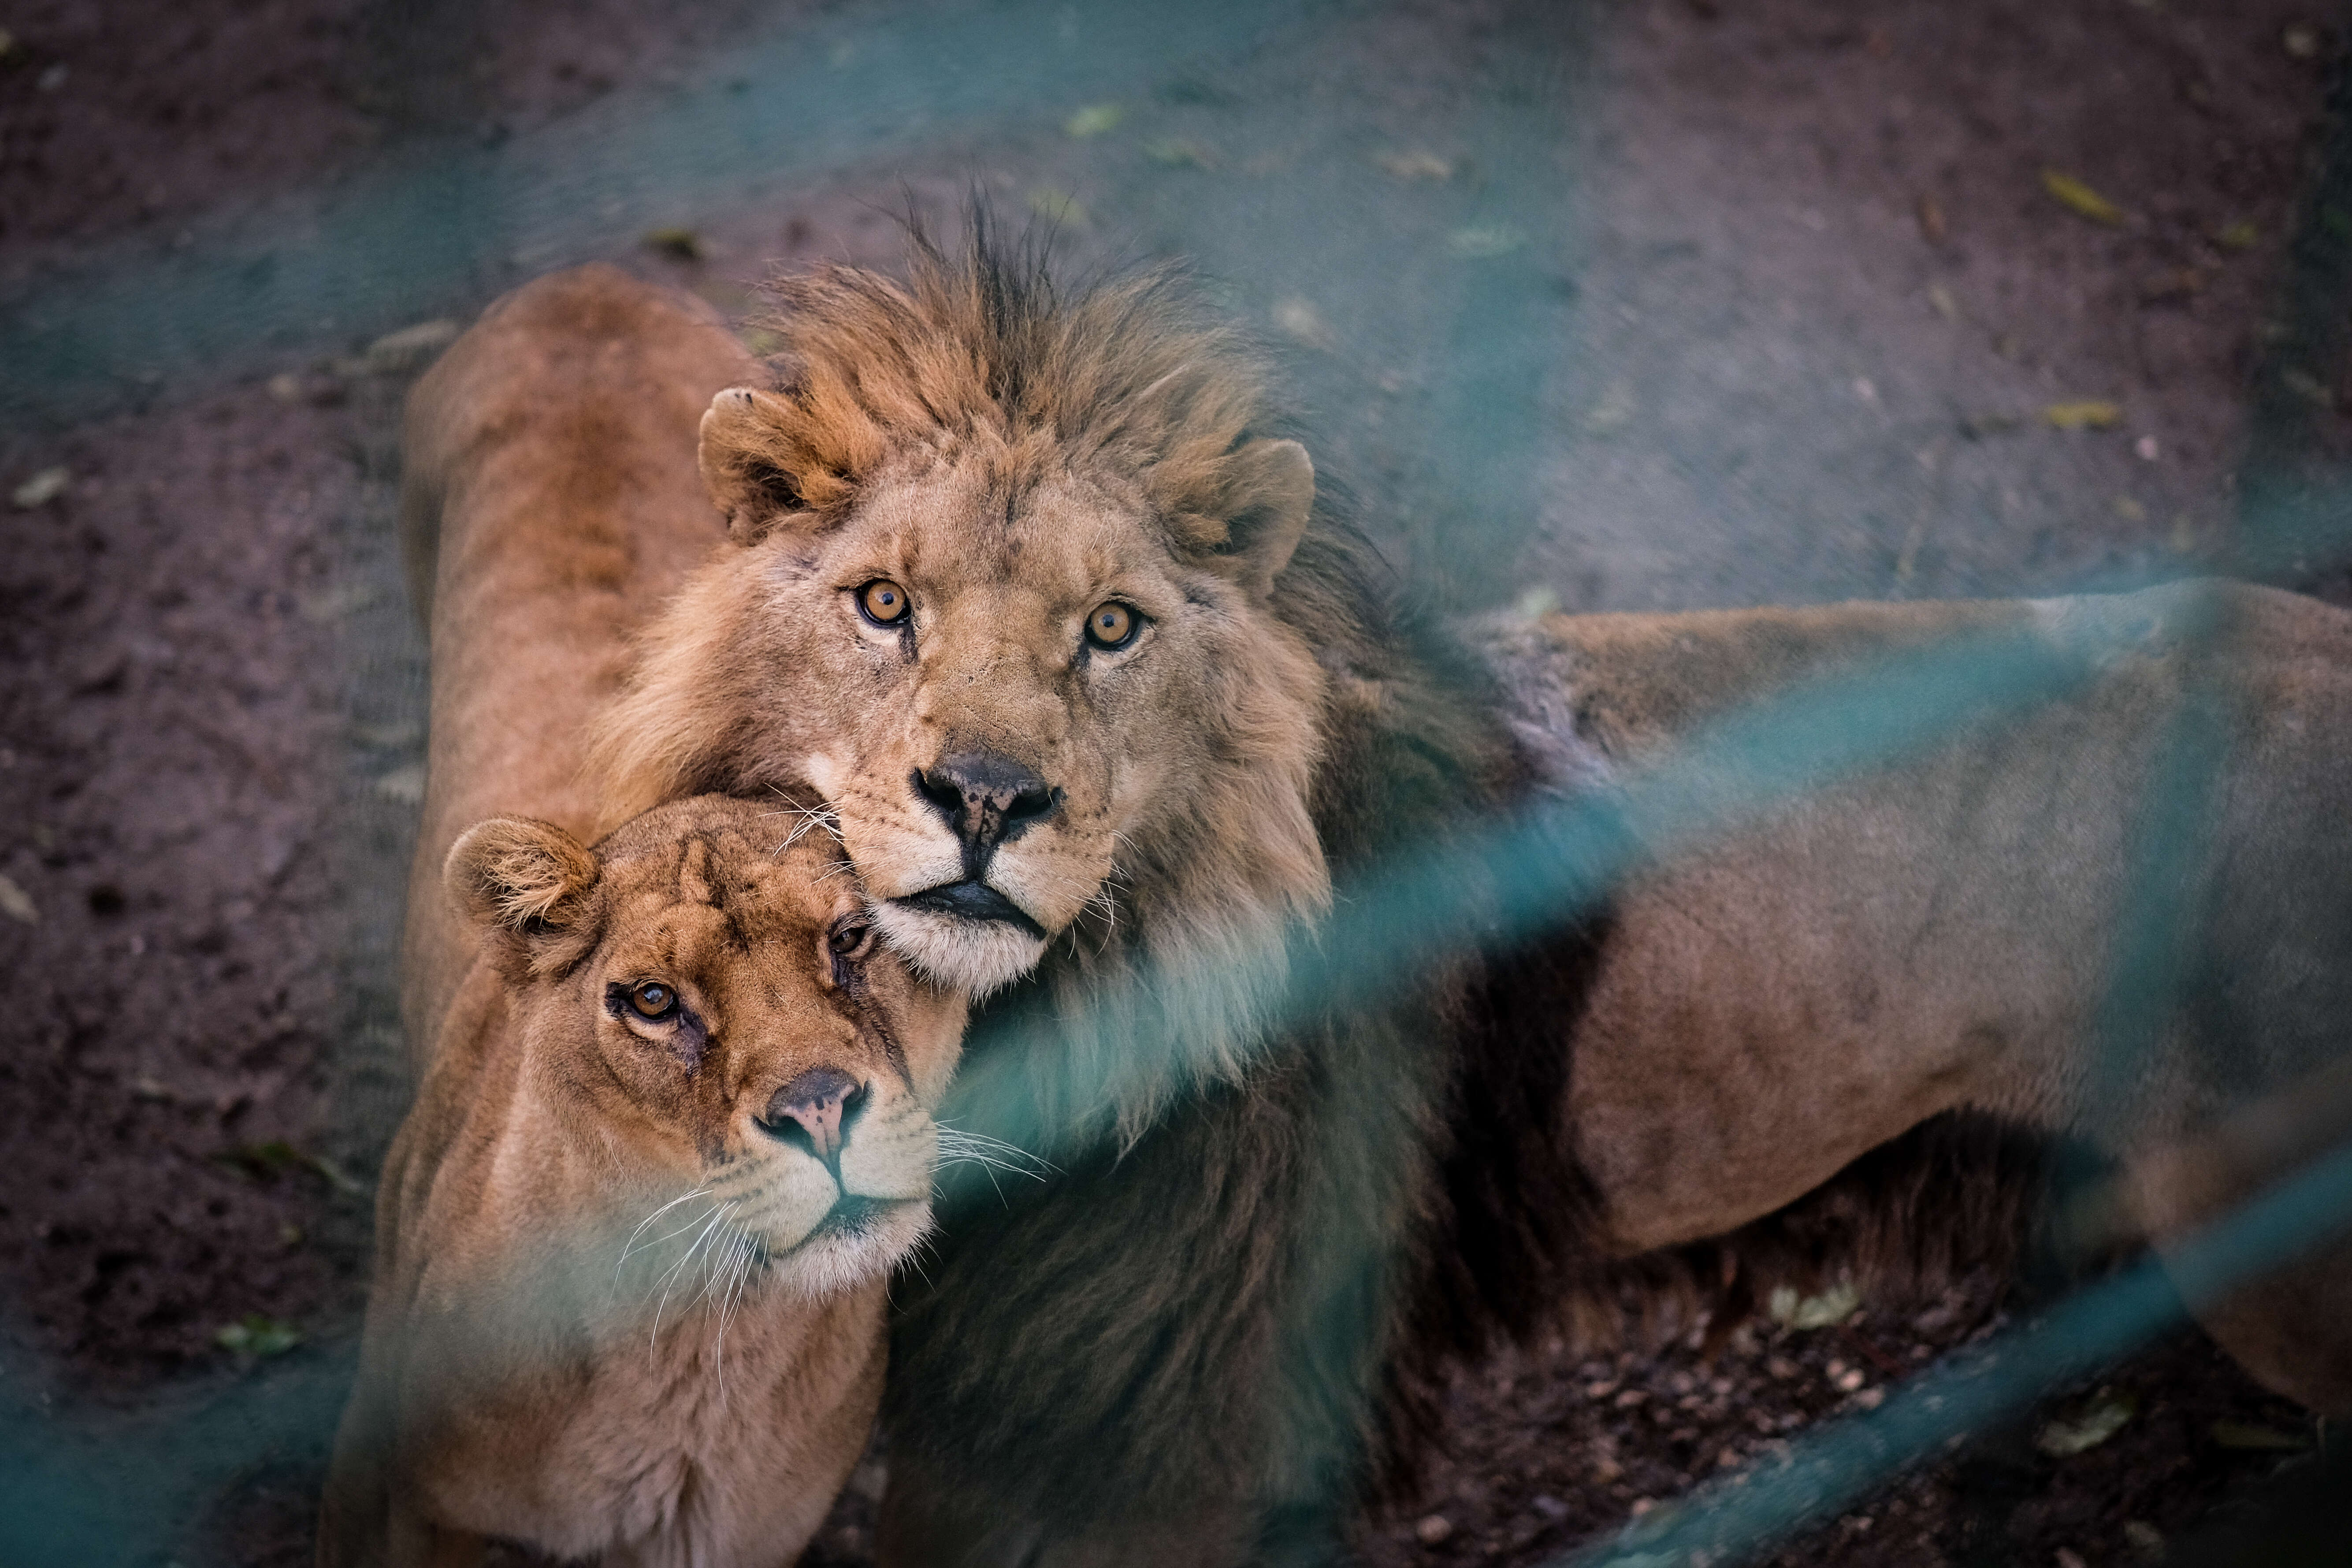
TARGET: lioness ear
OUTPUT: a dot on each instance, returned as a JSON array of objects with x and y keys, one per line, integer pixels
[
  {"x": 1278, "y": 479},
  {"x": 759, "y": 476},
  {"x": 521, "y": 877}
]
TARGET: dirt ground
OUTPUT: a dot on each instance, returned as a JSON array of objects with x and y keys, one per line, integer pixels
[{"x": 1617, "y": 306}]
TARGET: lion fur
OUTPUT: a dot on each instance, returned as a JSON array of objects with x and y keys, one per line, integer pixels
[{"x": 1233, "y": 1305}]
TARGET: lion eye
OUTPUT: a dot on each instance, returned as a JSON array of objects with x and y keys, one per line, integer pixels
[
  {"x": 653, "y": 1000},
  {"x": 850, "y": 938},
  {"x": 1113, "y": 626},
  {"x": 883, "y": 602}
]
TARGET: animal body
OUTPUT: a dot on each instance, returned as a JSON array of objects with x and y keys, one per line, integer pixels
[
  {"x": 1106, "y": 701},
  {"x": 674, "y": 1123}
]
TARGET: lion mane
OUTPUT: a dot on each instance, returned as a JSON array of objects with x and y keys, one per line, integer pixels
[{"x": 1224, "y": 1321}]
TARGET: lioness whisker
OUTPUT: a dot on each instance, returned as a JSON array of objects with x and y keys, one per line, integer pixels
[
  {"x": 658, "y": 1240},
  {"x": 718, "y": 1215},
  {"x": 630, "y": 1246}
]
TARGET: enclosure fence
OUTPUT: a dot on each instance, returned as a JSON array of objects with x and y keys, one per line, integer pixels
[{"x": 441, "y": 230}]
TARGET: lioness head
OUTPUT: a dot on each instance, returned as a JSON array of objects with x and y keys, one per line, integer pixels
[
  {"x": 1007, "y": 590},
  {"x": 705, "y": 992}
]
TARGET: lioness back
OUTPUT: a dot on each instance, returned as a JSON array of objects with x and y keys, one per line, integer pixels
[{"x": 549, "y": 505}]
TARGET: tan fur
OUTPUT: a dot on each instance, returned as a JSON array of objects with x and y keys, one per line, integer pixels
[
  {"x": 1012, "y": 471},
  {"x": 1813, "y": 1030},
  {"x": 619, "y": 1309},
  {"x": 1938, "y": 936},
  {"x": 548, "y": 487}
]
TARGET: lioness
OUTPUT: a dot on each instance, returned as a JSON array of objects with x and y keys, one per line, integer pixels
[
  {"x": 634, "y": 1237},
  {"x": 675, "y": 1127},
  {"x": 1098, "y": 688}
]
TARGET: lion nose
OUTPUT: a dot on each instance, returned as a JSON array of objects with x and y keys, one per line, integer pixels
[
  {"x": 987, "y": 800},
  {"x": 817, "y": 1108}
]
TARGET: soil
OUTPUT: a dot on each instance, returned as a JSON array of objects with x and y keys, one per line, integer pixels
[{"x": 1765, "y": 303}]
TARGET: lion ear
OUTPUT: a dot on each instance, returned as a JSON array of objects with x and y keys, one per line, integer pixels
[
  {"x": 524, "y": 879},
  {"x": 759, "y": 477},
  {"x": 1274, "y": 482}
]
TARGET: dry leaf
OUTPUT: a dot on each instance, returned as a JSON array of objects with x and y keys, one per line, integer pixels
[
  {"x": 1301, "y": 319},
  {"x": 1416, "y": 166},
  {"x": 2253, "y": 1438},
  {"x": 1932, "y": 226},
  {"x": 42, "y": 489},
  {"x": 1831, "y": 1306},
  {"x": 1180, "y": 153},
  {"x": 2080, "y": 199},
  {"x": 254, "y": 1336},
  {"x": 1058, "y": 207},
  {"x": 405, "y": 784},
  {"x": 1480, "y": 240},
  {"x": 2108, "y": 1412},
  {"x": 410, "y": 348},
  {"x": 2089, "y": 414},
  {"x": 1095, "y": 120},
  {"x": 17, "y": 904},
  {"x": 2307, "y": 386}
]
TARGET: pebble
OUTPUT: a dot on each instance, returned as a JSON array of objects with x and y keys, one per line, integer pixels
[{"x": 1432, "y": 1529}]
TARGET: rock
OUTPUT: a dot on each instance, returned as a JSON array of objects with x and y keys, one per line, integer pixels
[
  {"x": 18, "y": 904},
  {"x": 1433, "y": 1528}
]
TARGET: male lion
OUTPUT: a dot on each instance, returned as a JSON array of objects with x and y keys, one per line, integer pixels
[
  {"x": 1102, "y": 696},
  {"x": 674, "y": 1124}
]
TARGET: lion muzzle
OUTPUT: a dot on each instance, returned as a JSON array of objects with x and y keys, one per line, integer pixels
[
  {"x": 815, "y": 1110},
  {"x": 987, "y": 799}
]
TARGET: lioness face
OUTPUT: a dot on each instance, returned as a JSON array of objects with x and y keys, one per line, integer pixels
[
  {"x": 997, "y": 670},
  {"x": 714, "y": 999}
]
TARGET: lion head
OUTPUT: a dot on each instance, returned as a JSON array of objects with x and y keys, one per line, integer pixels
[
  {"x": 1007, "y": 587},
  {"x": 705, "y": 991}
]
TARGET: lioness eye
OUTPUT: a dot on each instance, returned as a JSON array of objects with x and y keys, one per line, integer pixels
[
  {"x": 883, "y": 602},
  {"x": 850, "y": 938},
  {"x": 652, "y": 999},
  {"x": 1113, "y": 625}
]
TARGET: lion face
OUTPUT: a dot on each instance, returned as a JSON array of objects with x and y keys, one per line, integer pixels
[
  {"x": 708, "y": 993},
  {"x": 1013, "y": 692},
  {"x": 1005, "y": 591}
]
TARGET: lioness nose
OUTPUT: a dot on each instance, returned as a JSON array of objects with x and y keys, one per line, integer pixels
[
  {"x": 987, "y": 800},
  {"x": 817, "y": 1106}
]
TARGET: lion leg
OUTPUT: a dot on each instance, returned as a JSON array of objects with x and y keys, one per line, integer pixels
[
  {"x": 415, "y": 1542},
  {"x": 930, "y": 1520},
  {"x": 2292, "y": 1330}
]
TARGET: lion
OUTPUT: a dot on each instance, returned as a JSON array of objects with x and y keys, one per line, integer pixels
[
  {"x": 675, "y": 1125},
  {"x": 633, "y": 1237},
  {"x": 1112, "y": 706}
]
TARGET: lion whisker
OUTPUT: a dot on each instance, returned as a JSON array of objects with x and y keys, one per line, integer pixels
[
  {"x": 718, "y": 1214},
  {"x": 629, "y": 1246}
]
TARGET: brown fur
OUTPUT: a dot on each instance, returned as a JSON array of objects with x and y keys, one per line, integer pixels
[
  {"x": 1817, "y": 1041},
  {"x": 607, "y": 1318},
  {"x": 610, "y": 1315}
]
